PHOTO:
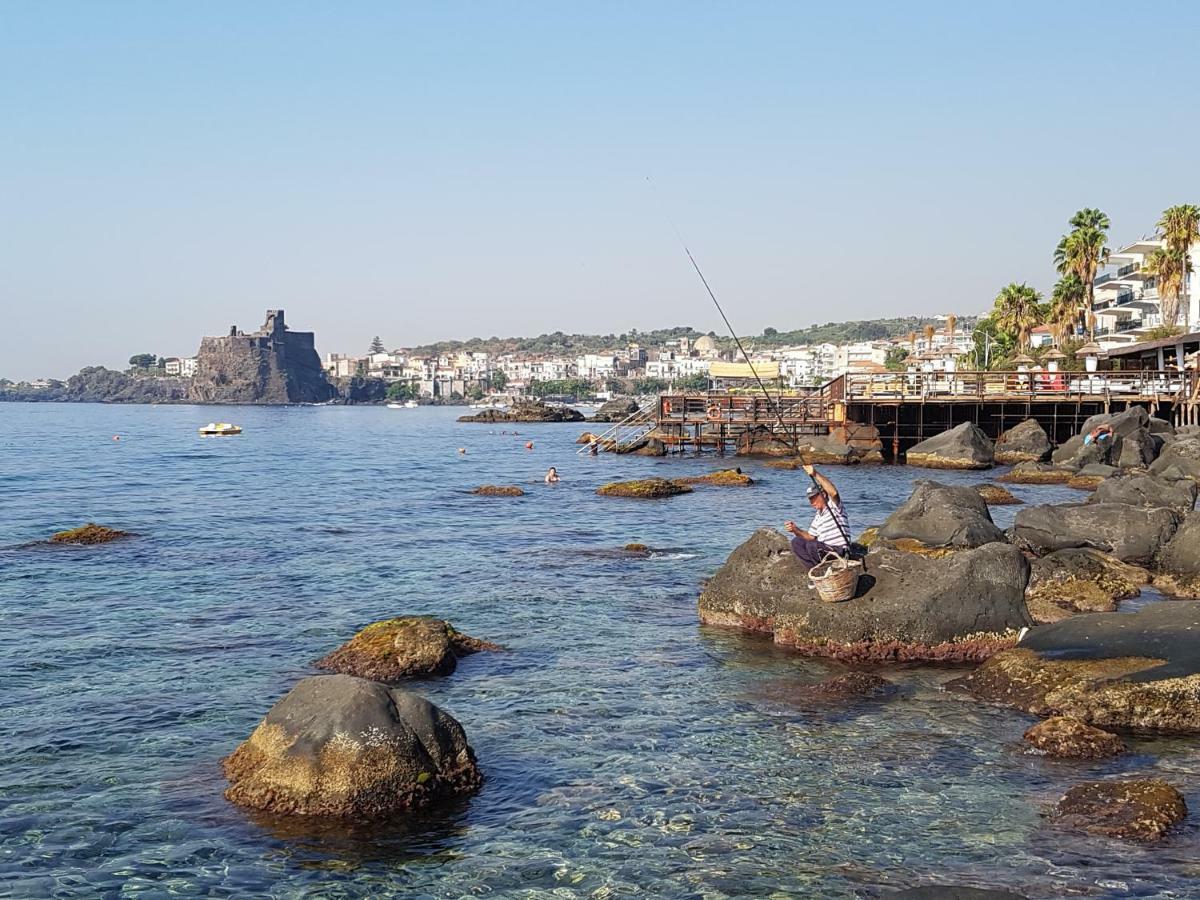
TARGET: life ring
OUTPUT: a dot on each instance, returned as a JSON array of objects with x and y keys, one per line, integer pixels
[{"x": 714, "y": 411}]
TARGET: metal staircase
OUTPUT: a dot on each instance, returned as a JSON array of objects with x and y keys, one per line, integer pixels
[{"x": 629, "y": 430}]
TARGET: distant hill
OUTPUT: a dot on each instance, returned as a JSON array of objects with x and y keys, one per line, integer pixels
[{"x": 559, "y": 342}]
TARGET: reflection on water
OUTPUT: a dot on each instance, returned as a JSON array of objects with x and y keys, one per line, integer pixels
[{"x": 627, "y": 750}]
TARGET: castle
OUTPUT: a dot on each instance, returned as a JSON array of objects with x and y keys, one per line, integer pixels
[{"x": 271, "y": 365}]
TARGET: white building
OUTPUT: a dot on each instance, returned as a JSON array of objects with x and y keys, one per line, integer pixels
[
  {"x": 670, "y": 366},
  {"x": 183, "y": 366},
  {"x": 596, "y": 366},
  {"x": 1127, "y": 302}
]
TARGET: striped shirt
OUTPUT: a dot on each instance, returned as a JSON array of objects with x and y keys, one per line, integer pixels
[{"x": 825, "y": 525}]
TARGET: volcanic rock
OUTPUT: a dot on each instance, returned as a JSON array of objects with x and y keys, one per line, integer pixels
[
  {"x": 1130, "y": 446},
  {"x": 1024, "y": 442},
  {"x": 862, "y": 685},
  {"x": 1036, "y": 473},
  {"x": 91, "y": 533},
  {"x": 499, "y": 490},
  {"x": 404, "y": 647},
  {"x": 1179, "y": 460},
  {"x": 909, "y": 606},
  {"x": 942, "y": 516},
  {"x": 1179, "y": 561},
  {"x": 1137, "y": 810},
  {"x": 615, "y": 410},
  {"x": 722, "y": 477},
  {"x": 342, "y": 747},
  {"x": 1138, "y": 489},
  {"x": 526, "y": 411},
  {"x": 1066, "y": 738},
  {"x": 1132, "y": 534},
  {"x": 1073, "y": 581},
  {"x": 963, "y": 447},
  {"x": 643, "y": 489},
  {"x": 994, "y": 495}
]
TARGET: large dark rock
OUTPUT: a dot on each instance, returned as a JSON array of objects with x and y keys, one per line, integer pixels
[
  {"x": 1079, "y": 580},
  {"x": 942, "y": 515},
  {"x": 403, "y": 647},
  {"x": 963, "y": 447},
  {"x": 1137, "y": 671},
  {"x": 91, "y": 533},
  {"x": 961, "y": 607},
  {"x": 347, "y": 748},
  {"x": 1024, "y": 442},
  {"x": 1179, "y": 562},
  {"x": 1136, "y": 810},
  {"x": 615, "y": 410},
  {"x": 1179, "y": 460},
  {"x": 1131, "y": 445},
  {"x": 1132, "y": 534},
  {"x": 526, "y": 411},
  {"x": 96, "y": 384},
  {"x": 1139, "y": 489}
]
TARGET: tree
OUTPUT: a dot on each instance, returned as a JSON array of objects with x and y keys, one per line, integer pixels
[
  {"x": 951, "y": 322},
  {"x": 769, "y": 332},
  {"x": 143, "y": 360},
  {"x": 1016, "y": 311},
  {"x": 1066, "y": 306},
  {"x": 991, "y": 346},
  {"x": 1167, "y": 267},
  {"x": 649, "y": 385},
  {"x": 498, "y": 380},
  {"x": 377, "y": 345},
  {"x": 401, "y": 390},
  {"x": 697, "y": 382},
  {"x": 1082, "y": 251},
  {"x": 929, "y": 332},
  {"x": 1180, "y": 228},
  {"x": 896, "y": 359}
]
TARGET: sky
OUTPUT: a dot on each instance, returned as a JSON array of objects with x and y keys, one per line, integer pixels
[{"x": 427, "y": 171}]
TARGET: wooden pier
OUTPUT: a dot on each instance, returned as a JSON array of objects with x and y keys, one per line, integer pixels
[{"x": 907, "y": 407}]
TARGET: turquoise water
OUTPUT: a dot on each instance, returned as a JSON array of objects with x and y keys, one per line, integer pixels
[{"x": 627, "y": 750}]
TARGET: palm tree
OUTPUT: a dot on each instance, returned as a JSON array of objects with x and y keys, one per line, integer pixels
[
  {"x": 951, "y": 322},
  {"x": 1167, "y": 266},
  {"x": 929, "y": 331},
  {"x": 912, "y": 344},
  {"x": 1082, "y": 251},
  {"x": 1017, "y": 312},
  {"x": 1180, "y": 227},
  {"x": 1066, "y": 306}
]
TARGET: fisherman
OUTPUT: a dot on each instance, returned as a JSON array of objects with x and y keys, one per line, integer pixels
[
  {"x": 830, "y": 528},
  {"x": 552, "y": 476}
]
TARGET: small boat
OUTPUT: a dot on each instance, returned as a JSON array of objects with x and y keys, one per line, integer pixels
[
  {"x": 221, "y": 428},
  {"x": 411, "y": 404},
  {"x": 395, "y": 406}
]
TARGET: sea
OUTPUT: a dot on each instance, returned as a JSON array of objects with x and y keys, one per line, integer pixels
[{"x": 628, "y": 751}]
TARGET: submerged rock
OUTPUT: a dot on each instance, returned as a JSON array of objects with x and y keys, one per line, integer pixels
[
  {"x": 963, "y": 447},
  {"x": 1036, "y": 473},
  {"x": 1137, "y": 810},
  {"x": 994, "y": 495},
  {"x": 851, "y": 685},
  {"x": 960, "y": 608},
  {"x": 347, "y": 748},
  {"x": 1024, "y": 442},
  {"x": 1134, "y": 671},
  {"x": 499, "y": 490},
  {"x": 91, "y": 533},
  {"x": 1066, "y": 738},
  {"x": 941, "y": 516},
  {"x": 643, "y": 489},
  {"x": 722, "y": 477},
  {"x": 1130, "y": 533},
  {"x": 404, "y": 647},
  {"x": 1080, "y": 580},
  {"x": 953, "y": 892}
]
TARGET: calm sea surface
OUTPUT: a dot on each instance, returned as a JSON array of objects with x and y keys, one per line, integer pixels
[{"x": 627, "y": 750}]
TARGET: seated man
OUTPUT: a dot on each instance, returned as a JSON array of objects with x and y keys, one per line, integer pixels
[{"x": 830, "y": 528}]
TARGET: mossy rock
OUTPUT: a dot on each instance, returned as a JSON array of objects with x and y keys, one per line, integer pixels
[
  {"x": 636, "y": 548},
  {"x": 1185, "y": 587},
  {"x": 499, "y": 490},
  {"x": 644, "y": 489},
  {"x": 868, "y": 537},
  {"x": 912, "y": 545},
  {"x": 1141, "y": 810},
  {"x": 1085, "y": 482},
  {"x": 1080, "y": 580},
  {"x": 994, "y": 495},
  {"x": 587, "y": 438},
  {"x": 723, "y": 477},
  {"x": 1036, "y": 473},
  {"x": 1065, "y": 738},
  {"x": 403, "y": 647},
  {"x": 91, "y": 533}
]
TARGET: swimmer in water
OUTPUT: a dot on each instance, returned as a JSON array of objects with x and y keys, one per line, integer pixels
[
  {"x": 552, "y": 476},
  {"x": 462, "y": 451}
]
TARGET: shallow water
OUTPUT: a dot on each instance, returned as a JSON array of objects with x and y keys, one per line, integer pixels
[{"x": 627, "y": 750}]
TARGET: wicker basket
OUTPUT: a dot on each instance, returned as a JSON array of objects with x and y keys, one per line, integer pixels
[{"x": 835, "y": 578}]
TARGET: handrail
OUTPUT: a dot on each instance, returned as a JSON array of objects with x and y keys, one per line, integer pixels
[
  {"x": 642, "y": 416},
  {"x": 1025, "y": 384}
]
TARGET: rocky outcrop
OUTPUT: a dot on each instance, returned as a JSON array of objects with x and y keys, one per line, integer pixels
[
  {"x": 1131, "y": 445},
  {"x": 1135, "y": 810},
  {"x": 499, "y": 490},
  {"x": 1139, "y": 489},
  {"x": 909, "y": 606},
  {"x": 1091, "y": 476},
  {"x": 526, "y": 411},
  {"x": 963, "y": 447},
  {"x": 721, "y": 478},
  {"x": 1024, "y": 442},
  {"x": 864, "y": 440},
  {"x": 272, "y": 365},
  {"x": 1073, "y": 581},
  {"x": 647, "y": 445},
  {"x": 342, "y": 747},
  {"x": 1179, "y": 460},
  {"x": 941, "y": 516},
  {"x": 1131, "y": 671},
  {"x": 615, "y": 410},
  {"x": 91, "y": 533},
  {"x": 96, "y": 384},
  {"x": 403, "y": 647},
  {"x": 1179, "y": 562},
  {"x": 1065, "y": 738},
  {"x": 643, "y": 489},
  {"x": 1037, "y": 473},
  {"x": 814, "y": 449},
  {"x": 994, "y": 495},
  {"x": 360, "y": 389},
  {"x": 1130, "y": 533}
]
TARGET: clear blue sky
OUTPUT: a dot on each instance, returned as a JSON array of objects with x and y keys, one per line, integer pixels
[{"x": 438, "y": 170}]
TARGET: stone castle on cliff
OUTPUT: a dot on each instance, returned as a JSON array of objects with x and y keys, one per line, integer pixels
[{"x": 271, "y": 365}]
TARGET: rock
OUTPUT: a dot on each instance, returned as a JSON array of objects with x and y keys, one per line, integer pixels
[
  {"x": 1137, "y": 489},
  {"x": 963, "y": 447},
  {"x": 1065, "y": 738},
  {"x": 647, "y": 446},
  {"x": 342, "y": 747},
  {"x": 1132, "y": 671},
  {"x": 722, "y": 477},
  {"x": 587, "y": 438},
  {"x": 1179, "y": 561},
  {"x": 1179, "y": 460},
  {"x": 1036, "y": 473},
  {"x": 1131, "y": 444},
  {"x": 96, "y": 384},
  {"x": 815, "y": 449},
  {"x": 1137, "y": 810},
  {"x": 994, "y": 495},
  {"x": 1024, "y": 442},
  {"x": 1090, "y": 477},
  {"x": 404, "y": 647},
  {"x": 1073, "y": 581},
  {"x": 942, "y": 516},
  {"x": 763, "y": 442},
  {"x": 1160, "y": 426},
  {"x": 499, "y": 490},
  {"x": 526, "y": 411},
  {"x": 909, "y": 607},
  {"x": 615, "y": 410},
  {"x": 864, "y": 440},
  {"x": 272, "y": 365},
  {"x": 864, "y": 685},
  {"x": 1132, "y": 534},
  {"x": 91, "y": 533},
  {"x": 636, "y": 548},
  {"x": 643, "y": 489}
]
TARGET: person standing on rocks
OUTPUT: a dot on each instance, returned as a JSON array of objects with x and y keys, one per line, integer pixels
[{"x": 830, "y": 526}]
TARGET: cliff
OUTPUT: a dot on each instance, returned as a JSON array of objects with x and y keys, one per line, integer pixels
[
  {"x": 96, "y": 384},
  {"x": 272, "y": 365}
]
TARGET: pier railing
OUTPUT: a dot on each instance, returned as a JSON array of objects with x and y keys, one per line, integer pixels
[{"x": 1040, "y": 385}]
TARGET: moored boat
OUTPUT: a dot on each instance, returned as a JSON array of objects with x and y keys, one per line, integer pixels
[{"x": 220, "y": 428}]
